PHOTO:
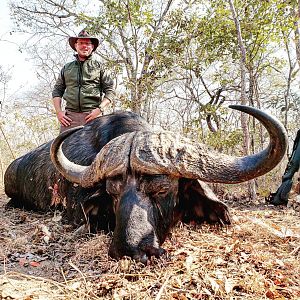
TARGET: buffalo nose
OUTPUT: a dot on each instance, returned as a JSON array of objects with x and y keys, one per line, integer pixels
[
  {"x": 153, "y": 251},
  {"x": 147, "y": 252},
  {"x": 141, "y": 257},
  {"x": 143, "y": 254}
]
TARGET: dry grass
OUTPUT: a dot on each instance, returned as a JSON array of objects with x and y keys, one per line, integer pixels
[{"x": 256, "y": 258}]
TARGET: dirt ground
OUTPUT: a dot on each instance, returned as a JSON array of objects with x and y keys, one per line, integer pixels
[{"x": 255, "y": 258}]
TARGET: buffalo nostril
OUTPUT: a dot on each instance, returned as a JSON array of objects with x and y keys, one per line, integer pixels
[
  {"x": 144, "y": 259},
  {"x": 141, "y": 257},
  {"x": 161, "y": 251},
  {"x": 152, "y": 251}
]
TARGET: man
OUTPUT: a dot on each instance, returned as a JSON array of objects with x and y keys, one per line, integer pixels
[
  {"x": 281, "y": 196},
  {"x": 81, "y": 84}
]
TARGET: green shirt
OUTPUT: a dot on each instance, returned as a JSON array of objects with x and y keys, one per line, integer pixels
[{"x": 82, "y": 84}]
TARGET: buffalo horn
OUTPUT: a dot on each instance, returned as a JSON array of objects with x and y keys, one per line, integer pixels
[
  {"x": 110, "y": 161},
  {"x": 170, "y": 153}
]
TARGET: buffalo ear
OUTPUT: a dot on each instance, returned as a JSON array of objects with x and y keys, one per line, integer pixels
[{"x": 198, "y": 203}]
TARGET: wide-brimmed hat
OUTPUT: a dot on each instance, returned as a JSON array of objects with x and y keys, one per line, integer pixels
[{"x": 83, "y": 34}]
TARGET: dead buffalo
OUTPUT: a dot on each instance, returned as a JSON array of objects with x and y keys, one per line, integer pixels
[{"x": 119, "y": 174}]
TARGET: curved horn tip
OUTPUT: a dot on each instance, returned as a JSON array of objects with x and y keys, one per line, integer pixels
[
  {"x": 70, "y": 131},
  {"x": 241, "y": 107},
  {"x": 63, "y": 135},
  {"x": 262, "y": 115},
  {"x": 254, "y": 111},
  {"x": 68, "y": 169}
]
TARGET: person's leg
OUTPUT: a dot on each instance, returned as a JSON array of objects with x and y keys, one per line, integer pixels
[{"x": 282, "y": 194}]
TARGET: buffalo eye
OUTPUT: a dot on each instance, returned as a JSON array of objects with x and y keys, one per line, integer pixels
[
  {"x": 158, "y": 186},
  {"x": 114, "y": 185},
  {"x": 158, "y": 192}
]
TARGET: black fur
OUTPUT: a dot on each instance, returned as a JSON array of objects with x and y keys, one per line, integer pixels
[
  {"x": 141, "y": 208},
  {"x": 29, "y": 180}
]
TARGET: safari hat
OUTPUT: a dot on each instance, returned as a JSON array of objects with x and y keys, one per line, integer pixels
[{"x": 83, "y": 34}]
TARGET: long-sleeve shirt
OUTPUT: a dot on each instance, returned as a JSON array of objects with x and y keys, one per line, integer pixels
[{"x": 82, "y": 85}]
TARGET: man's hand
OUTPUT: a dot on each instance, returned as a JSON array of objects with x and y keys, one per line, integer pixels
[
  {"x": 94, "y": 114},
  {"x": 63, "y": 119}
]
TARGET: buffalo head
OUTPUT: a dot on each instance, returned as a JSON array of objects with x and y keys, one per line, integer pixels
[{"x": 157, "y": 178}]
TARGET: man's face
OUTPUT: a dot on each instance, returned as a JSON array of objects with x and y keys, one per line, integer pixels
[{"x": 84, "y": 47}]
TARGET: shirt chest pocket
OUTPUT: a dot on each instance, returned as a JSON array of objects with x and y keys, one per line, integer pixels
[
  {"x": 72, "y": 76},
  {"x": 91, "y": 75}
]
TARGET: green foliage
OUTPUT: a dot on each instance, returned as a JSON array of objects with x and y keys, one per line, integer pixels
[
  {"x": 225, "y": 140},
  {"x": 185, "y": 55}
]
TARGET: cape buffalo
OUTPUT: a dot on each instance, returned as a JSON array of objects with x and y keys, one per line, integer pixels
[{"x": 118, "y": 174}]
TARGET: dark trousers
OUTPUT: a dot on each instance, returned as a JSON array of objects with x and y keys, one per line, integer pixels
[{"x": 78, "y": 119}]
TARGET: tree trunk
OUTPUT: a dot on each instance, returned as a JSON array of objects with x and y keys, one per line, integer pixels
[
  {"x": 244, "y": 117},
  {"x": 2, "y": 170}
]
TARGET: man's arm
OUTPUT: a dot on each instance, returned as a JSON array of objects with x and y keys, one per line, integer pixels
[
  {"x": 98, "y": 111},
  {"x": 61, "y": 115},
  {"x": 57, "y": 104},
  {"x": 57, "y": 93}
]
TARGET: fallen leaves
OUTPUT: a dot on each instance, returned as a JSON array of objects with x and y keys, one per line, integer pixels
[
  {"x": 23, "y": 262},
  {"x": 46, "y": 233},
  {"x": 245, "y": 261}
]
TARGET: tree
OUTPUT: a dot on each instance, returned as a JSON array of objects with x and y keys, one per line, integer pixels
[
  {"x": 244, "y": 118},
  {"x": 177, "y": 62},
  {"x": 130, "y": 31},
  {"x": 5, "y": 77}
]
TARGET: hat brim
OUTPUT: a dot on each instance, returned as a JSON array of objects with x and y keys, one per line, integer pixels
[{"x": 73, "y": 40}]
